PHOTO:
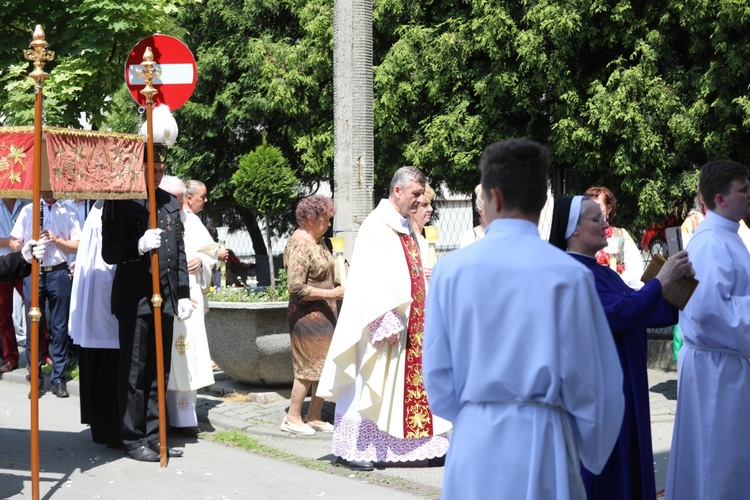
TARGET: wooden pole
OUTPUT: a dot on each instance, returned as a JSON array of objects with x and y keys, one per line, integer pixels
[
  {"x": 39, "y": 55},
  {"x": 148, "y": 74}
]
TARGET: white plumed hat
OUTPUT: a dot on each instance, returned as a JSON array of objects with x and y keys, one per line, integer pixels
[{"x": 165, "y": 126}]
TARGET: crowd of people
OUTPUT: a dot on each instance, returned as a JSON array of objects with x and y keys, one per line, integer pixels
[
  {"x": 523, "y": 369},
  {"x": 96, "y": 300},
  {"x": 518, "y": 364}
]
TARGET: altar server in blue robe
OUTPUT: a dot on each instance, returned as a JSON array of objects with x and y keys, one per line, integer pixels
[{"x": 579, "y": 226}]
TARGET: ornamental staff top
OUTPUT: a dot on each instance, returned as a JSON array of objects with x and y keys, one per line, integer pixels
[
  {"x": 149, "y": 73},
  {"x": 40, "y": 55}
]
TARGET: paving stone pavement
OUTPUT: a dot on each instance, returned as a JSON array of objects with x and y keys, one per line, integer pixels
[{"x": 229, "y": 404}]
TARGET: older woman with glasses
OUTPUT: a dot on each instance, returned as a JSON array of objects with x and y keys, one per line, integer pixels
[{"x": 580, "y": 227}]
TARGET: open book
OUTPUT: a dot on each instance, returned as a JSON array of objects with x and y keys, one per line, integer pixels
[{"x": 679, "y": 292}]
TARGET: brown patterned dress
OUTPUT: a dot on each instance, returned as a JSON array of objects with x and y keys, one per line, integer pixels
[{"x": 311, "y": 323}]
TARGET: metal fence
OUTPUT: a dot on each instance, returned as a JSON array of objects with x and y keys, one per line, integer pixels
[{"x": 454, "y": 215}]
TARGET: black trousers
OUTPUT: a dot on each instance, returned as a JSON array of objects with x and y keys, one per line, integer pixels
[
  {"x": 138, "y": 384},
  {"x": 97, "y": 376}
]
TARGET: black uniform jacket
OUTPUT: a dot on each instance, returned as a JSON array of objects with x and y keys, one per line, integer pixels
[
  {"x": 123, "y": 223},
  {"x": 12, "y": 266}
]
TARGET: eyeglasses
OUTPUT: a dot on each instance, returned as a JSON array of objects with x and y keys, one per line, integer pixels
[{"x": 599, "y": 219}]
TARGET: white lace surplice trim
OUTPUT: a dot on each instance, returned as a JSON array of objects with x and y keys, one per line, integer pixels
[
  {"x": 387, "y": 325},
  {"x": 360, "y": 440}
]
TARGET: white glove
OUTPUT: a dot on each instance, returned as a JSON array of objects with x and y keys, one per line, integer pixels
[
  {"x": 150, "y": 240},
  {"x": 184, "y": 309},
  {"x": 39, "y": 250},
  {"x": 27, "y": 250}
]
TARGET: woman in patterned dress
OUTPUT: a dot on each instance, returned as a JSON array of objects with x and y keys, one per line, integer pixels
[{"x": 312, "y": 310}]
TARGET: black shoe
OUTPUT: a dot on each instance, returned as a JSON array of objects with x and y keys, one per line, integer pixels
[
  {"x": 436, "y": 462},
  {"x": 143, "y": 454},
  {"x": 184, "y": 431},
  {"x": 59, "y": 389},
  {"x": 41, "y": 391},
  {"x": 171, "y": 452},
  {"x": 357, "y": 466}
]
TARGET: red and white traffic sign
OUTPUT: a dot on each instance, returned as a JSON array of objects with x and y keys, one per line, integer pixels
[{"x": 179, "y": 73}]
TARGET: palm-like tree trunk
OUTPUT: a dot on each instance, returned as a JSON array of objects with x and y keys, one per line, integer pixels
[{"x": 352, "y": 116}]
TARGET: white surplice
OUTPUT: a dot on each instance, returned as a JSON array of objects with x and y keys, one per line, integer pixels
[
  {"x": 710, "y": 453},
  {"x": 91, "y": 323},
  {"x": 191, "y": 359},
  {"x": 365, "y": 380},
  {"x": 517, "y": 348}
]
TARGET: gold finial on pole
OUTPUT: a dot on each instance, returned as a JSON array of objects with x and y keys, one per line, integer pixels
[
  {"x": 40, "y": 55},
  {"x": 149, "y": 73}
]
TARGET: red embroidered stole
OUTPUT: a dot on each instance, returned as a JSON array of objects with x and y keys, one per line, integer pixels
[{"x": 417, "y": 414}]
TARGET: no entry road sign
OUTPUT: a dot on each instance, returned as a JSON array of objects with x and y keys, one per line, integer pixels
[{"x": 179, "y": 72}]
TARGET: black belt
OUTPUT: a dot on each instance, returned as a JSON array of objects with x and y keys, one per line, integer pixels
[{"x": 58, "y": 267}]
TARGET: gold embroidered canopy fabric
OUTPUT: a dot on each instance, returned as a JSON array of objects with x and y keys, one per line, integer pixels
[{"x": 80, "y": 164}]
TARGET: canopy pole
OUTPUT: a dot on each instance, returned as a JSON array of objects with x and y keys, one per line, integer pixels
[
  {"x": 149, "y": 73},
  {"x": 39, "y": 54}
]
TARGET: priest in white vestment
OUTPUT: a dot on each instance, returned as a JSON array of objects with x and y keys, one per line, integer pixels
[
  {"x": 518, "y": 353},
  {"x": 191, "y": 361},
  {"x": 374, "y": 365},
  {"x": 710, "y": 455}
]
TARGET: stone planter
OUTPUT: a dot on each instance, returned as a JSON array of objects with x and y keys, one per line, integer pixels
[{"x": 250, "y": 341}]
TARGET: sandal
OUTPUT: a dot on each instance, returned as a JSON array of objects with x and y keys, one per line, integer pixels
[
  {"x": 326, "y": 427},
  {"x": 291, "y": 428}
]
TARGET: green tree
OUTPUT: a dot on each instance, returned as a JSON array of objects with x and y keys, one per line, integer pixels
[
  {"x": 91, "y": 40},
  {"x": 264, "y": 70},
  {"x": 265, "y": 184},
  {"x": 632, "y": 95}
]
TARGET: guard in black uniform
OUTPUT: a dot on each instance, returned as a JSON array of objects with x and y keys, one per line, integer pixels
[{"x": 127, "y": 242}]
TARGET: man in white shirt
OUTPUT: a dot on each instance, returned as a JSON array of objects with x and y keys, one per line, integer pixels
[
  {"x": 61, "y": 231},
  {"x": 518, "y": 353},
  {"x": 709, "y": 453}
]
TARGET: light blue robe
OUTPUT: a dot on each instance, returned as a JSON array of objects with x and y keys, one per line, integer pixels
[
  {"x": 512, "y": 318},
  {"x": 710, "y": 452}
]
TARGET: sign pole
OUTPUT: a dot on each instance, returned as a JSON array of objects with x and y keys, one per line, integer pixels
[
  {"x": 39, "y": 54},
  {"x": 149, "y": 73}
]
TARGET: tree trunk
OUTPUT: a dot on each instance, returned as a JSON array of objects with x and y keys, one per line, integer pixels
[
  {"x": 256, "y": 235},
  {"x": 353, "y": 162},
  {"x": 270, "y": 255}
]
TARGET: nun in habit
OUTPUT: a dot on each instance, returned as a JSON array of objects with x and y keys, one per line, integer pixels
[{"x": 579, "y": 227}]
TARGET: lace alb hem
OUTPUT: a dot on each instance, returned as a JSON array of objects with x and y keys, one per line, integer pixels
[{"x": 359, "y": 439}]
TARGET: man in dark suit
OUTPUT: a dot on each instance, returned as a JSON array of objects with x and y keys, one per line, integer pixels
[{"x": 127, "y": 242}]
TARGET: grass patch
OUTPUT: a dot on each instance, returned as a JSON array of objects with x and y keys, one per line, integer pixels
[
  {"x": 71, "y": 375},
  {"x": 239, "y": 439}
]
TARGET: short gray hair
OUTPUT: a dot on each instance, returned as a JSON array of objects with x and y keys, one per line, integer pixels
[
  {"x": 406, "y": 175},
  {"x": 173, "y": 185},
  {"x": 193, "y": 185}
]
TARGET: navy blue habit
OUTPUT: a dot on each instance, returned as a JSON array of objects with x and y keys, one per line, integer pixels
[{"x": 629, "y": 472}]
